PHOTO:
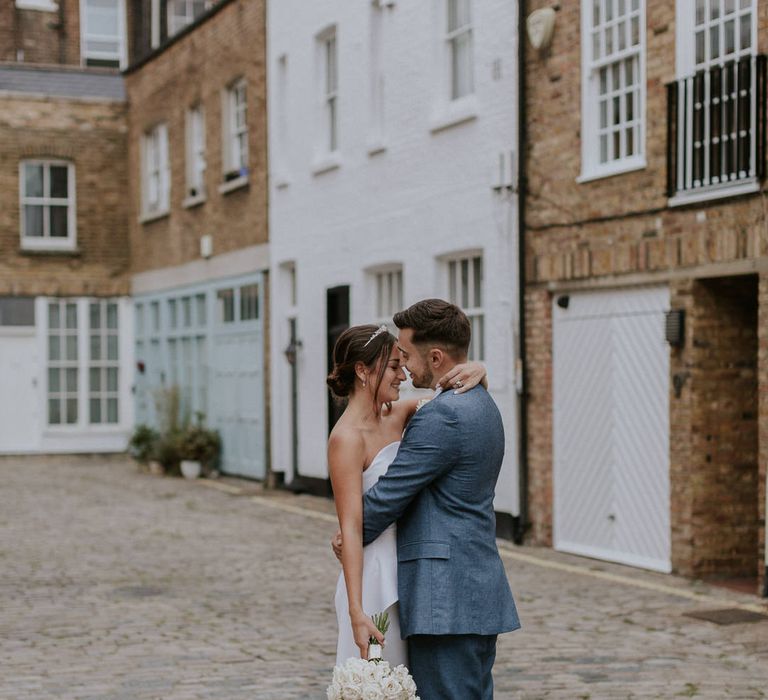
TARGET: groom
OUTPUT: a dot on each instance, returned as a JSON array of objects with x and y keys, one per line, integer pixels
[{"x": 454, "y": 595}]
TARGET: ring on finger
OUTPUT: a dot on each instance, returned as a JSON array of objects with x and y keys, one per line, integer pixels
[{"x": 458, "y": 384}]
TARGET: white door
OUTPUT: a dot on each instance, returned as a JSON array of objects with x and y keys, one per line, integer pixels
[
  {"x": 19, "y": 380},
  {"x": 611, "y": 426}
]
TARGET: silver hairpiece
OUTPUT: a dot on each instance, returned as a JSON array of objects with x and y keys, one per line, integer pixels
[{"x": 381, "y": 329}]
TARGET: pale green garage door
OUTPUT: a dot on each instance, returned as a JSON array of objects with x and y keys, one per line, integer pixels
[{"x": 208, "y": 340}]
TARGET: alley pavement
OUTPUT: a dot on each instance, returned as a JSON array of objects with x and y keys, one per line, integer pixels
[{"x": 118, "y": 585}]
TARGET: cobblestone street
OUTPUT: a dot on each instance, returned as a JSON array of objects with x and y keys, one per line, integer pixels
[{"x": 122, "y": 586}]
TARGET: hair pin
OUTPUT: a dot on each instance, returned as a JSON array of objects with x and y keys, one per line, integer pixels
[{"x": 381, "y": 329}]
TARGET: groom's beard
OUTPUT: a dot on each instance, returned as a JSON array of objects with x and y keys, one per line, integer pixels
[{"x": 423, "y": 381}]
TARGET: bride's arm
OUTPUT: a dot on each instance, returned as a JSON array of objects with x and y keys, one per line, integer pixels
[
  {"x": 467, "y": 374},
  {"x": 345, "y": 460}
]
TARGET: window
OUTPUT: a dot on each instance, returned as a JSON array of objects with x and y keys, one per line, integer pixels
[
  {"x": 103, "y": 366},
  {"x": 236, "y": 132},
  {"x": 376, "y": 79},
  {"x": 156, "y": 176},
  {"x": 17, "y": 311},
  {"x": 459, "y": 39},
  {"x": 613, "y": 92},
  {"x": 103, "y": 32},
  {"x": 62, "y": 363},
  {"x": 226, "y": 303},
  {"x": 388, "y": 295},
  {"x": 46, "y": 5},
  {"x": 195, "y": 153},
  {"x": 183, "y": 12},
  {"x": 330, "y": 85},
  {"x": 723, "y": 30},
  {"x": 47, "y": 204},
  {"x": 249, "y": 302},
  {"x": 465, "y": 289}
]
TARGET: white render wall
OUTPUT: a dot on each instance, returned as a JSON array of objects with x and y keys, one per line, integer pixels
[{"x": 428, "y": 194}]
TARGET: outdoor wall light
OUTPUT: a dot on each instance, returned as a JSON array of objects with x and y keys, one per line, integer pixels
[
  {"x": 540, "y": 26},
  {"x": 674, "y": 327},
  {"x": 291, "y": 351},
  {"x": 563, "y": 301}
]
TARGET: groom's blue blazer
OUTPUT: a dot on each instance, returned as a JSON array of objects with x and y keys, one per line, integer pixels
[{"x": 440, "y": 490}]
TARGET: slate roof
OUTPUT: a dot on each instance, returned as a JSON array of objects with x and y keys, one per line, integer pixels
[{"x": 61, "y": 82}]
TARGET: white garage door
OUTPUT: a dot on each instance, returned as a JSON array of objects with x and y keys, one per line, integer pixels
[{"x": 611, "y": 426}]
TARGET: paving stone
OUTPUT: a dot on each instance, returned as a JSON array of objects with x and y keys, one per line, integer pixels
[{"x": 121, "y": 586}]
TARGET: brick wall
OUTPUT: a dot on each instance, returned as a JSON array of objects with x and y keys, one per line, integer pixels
[
  {"x": 619, "y": 230},
  {"x": 195, "y": 69},
  {"x": 44, "y": 37},
  {"x": 92, "y": 135}
]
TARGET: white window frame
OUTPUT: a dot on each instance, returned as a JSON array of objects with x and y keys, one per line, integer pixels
[
  {"x": 42, "y": 5},
  {"x": 235, "y": 135},
  {"x": 452, "y": 39},
  {"x": 591, "y": 166},
  {"x": 155, "y": 172},
  {"x": 176, "y": 21},
  {"x": 388, "y": 293},
  {"x": 63, "y": 364},
  {"x": 103, "y": 365},
  {"x": 195, "y": 156},
  {"x": 46, "y": 242},
  {"x": 121, "y": 56},
  {"x": 685, "y": 37},
  {"x": 376, "y": 129},
  {"x": 472, "y": 306},
  {"x": 328, "y": 84}
]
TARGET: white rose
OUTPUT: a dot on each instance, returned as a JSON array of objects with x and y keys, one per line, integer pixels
[
  {"x": 371, "y": 691},
  {"x": 352, "y": 692},
  {"x": 354, "y": 674},
  {"x": 400, "y": 672},
  {"x": 370, "y": 673},
  {"x": 391, "y": 688},
  {"x": 334, "y": 691},
  {"x": 409, "y": 686}
]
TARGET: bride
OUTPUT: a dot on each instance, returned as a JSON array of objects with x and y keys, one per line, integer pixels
[{"x": 363, "y": 443}]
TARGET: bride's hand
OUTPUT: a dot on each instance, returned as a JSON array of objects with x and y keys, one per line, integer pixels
[
  {"x": 463, "y": 377},
  {"x": 336, "y": 544},
  {"x": 363, "y": 629}
]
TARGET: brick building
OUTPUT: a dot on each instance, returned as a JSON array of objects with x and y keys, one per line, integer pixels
[
  {"x": 197, "y": 177},
  {"x": 65, "y": 318},
  {"x": 645, "y": 165}
]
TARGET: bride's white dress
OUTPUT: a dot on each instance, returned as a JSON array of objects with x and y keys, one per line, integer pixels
[{"x": 379, "y": 580}]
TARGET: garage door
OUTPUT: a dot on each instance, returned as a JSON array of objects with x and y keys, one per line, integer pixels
[{"x": 611, "y": 426}]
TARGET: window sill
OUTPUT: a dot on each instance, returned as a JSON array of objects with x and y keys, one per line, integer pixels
[
  {"x": 232, "y": 185},
  {"x": 42, "y": 6},
  {"x": 376, "y": 146},
  {"x": 195, "y": 201},
  {"x": 708, "y": 194},
  {"x": 43, "y": 249},
  {"x": 154, "y": 216},
  {"x": 280, "y": 180},
  {"x": 454, "y": 113},
  {"x": 626, "y": 166},
  {"x": 326, "y": 162}
]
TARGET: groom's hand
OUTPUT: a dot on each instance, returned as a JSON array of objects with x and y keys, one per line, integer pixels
[{"x": 336, "y": 544}]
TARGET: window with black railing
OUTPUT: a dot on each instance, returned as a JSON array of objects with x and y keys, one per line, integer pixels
[{"x": 716, "y": 129}]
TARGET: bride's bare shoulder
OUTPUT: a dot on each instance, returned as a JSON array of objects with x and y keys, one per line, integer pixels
[{"x": 346, "y": 445}]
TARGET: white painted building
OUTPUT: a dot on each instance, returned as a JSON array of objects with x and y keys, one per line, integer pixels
[{"x": 392, "y": 129}]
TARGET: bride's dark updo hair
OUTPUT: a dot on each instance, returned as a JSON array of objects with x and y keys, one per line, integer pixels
[{"x": 357, "y": 345}]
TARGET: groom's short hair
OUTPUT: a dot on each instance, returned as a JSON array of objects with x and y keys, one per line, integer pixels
[{"x": 437, "y": 322}]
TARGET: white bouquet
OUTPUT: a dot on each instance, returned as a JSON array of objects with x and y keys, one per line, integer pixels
[{"x": 374, "y": 679}]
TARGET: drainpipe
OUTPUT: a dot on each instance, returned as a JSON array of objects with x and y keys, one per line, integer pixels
[{"x": 522, "y": 524}]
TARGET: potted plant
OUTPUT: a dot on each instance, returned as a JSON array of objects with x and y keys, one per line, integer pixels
[
  {"x": 168, "y": 452},
  {"x": 142, "y": 444},
  {"x": 200, "y": 448}
]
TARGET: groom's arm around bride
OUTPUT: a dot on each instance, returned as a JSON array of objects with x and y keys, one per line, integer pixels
[{"x": 453, "y": 592}]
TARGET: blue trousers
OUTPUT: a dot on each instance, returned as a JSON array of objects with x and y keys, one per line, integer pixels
[{"x": 452, "y": 667}]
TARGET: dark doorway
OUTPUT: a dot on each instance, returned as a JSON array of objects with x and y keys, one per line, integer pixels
[
  {"x": 337, "y": 323},
  {"x": 724, "y": 484}
]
